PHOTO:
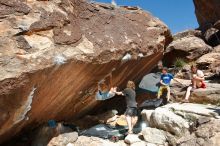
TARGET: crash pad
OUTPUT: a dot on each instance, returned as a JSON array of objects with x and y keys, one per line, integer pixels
[
  {"x": 105, "y": 131},
  {"x": 150, "y": 82},
  {"x": 151, "y": 104},
  {"x": 121, "y": 121}
]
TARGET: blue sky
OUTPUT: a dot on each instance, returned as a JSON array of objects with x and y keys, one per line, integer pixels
[{"x": 177, "y": 14}]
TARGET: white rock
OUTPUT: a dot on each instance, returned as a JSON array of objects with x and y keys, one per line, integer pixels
[
  {"x": 70, "y": 144},
  {"x": 153, "y": 135},
  {"x": 199, "y": 109},
  {"x": 146, "y": 114},
  {"x": 132, "y": 138},
  {"x": 151, "y": 144},
  {"x": 126, "y": 57},
  {"x": 164, "y": 118},
  {"x": 141, "y": 143}
]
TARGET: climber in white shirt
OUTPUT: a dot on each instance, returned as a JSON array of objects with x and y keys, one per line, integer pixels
[{"x": 197, "y": 79}]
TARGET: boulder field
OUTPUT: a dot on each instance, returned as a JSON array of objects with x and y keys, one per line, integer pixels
[{"x": 54, "y": 53}]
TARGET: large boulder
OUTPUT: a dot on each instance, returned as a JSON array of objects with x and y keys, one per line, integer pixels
[
  {"x": 207, "y": 12},
  {"x": 202, "y": 125},
  {"x": 54, "y": 53},
  {"x": 43, "y": 134},
  {"x": 63, "y": 139},
  {"x": 210, "y": 61},
  {"x": 188, "y": 48},
  {"x": 206, "y": 134},
  {"x": 196, "y": 109},
  {"x": 208, "y": 17},
  {"x": 132, "y": 138},
  {"x": 208, "y": 95},
  {"x": 212, "y": 36},
  {"x": 155, "y": 136},
  {"x": 167, "y": 120},
  {"x": 93, "y": 141},
  {"x": 216, "y": 49},
  {"x": 187, "y": 33}
]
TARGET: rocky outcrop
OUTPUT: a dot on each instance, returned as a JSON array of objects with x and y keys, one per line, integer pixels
[
  {"x": 53, "y": 54},
  {"x": 188, "y": 47},
  {"x": 202, "y": 130},
  {"x": 92, "y": 141},
  {"x": 210, "y": 111},
  {"x": 216, "y": 49},
  {"x": 207, "y": 12},
  {"x": 210, "y": 61},
  {"x": 132, "y": 138},
  {"x": 165, "y": 119},
  {"x": 208, "y": 17},
  {"x": 206, "y": 134},
  {"x": 192, "y": 46},
  {"x": 208, "y": 95},
  {"x": 63, "y": 139},
  {"x": 153, "y": 135},
  {"x": 187, "y": 33}
]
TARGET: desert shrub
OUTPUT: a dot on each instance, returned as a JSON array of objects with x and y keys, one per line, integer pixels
[{"x": 179, "y": 63}]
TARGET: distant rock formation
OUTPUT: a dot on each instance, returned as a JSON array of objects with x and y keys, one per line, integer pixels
[{"x": 207, "y": 12}]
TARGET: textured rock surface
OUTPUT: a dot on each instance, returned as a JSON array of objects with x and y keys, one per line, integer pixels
[
  {"x": 94, "y": 141},
  {"x": 43, "y": 135},
  {"x": 207, "y": 12},
  {"x": 208, "y": 95},
  {"x": 216, "y": 49},
  {"x": 192, "y": 46},
  {"x": 166, "y": 119},
  {"x": 53, "y": 54},
  {"x": 132, "y": 138},
  {"x": 212, "y": 36},
  {"x": 63, "y": 139},
  {"x": 210, "y": 61},
  {"x": 198, "y": 109},
  {"x": 208, "y": 17},
  {"x": 153, "y": 135},
  {"x": 188, "y": 48},
  {"x": 206, "y": 134},
  {"x": 187, "y": 33},
  {"x": 202, "y": 120}
]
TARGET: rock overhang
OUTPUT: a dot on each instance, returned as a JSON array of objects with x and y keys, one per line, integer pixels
[{"x": 55, "y": 53}]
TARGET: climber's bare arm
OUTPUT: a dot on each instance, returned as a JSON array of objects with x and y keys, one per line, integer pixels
[
  {"x": 162, "y": 83},
  {"x": 119, "y": 93},
  {"x": 199, "y": 78}
]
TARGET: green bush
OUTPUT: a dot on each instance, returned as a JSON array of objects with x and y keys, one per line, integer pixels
[{"x": 179, "y": 63}]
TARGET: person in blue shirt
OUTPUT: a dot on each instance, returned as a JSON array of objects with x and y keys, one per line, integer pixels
[{"x": 165, "y": 80}]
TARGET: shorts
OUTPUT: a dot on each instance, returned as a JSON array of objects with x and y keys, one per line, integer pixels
[
  {"x": 162, "y": 89},
  {"x": 203, "y": 85},
  {"x": 131, "y": 111}
]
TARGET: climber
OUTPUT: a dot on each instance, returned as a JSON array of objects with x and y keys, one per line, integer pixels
[
  {"x": 131, "y": 111},
  {"x": 104, "y": 92},
  {"x": 197, "y": 81},
  {"x": 165, "y": 80}
]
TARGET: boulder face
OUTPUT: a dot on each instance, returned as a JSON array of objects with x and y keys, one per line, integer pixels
[
  {"x": 209, "y": 95},
  {"x": 208, "y": 17},
  {"x": 210, "y": 61},
  {"x": 188, "y": 47},
  {"x": 207, "y": 12},
  {"x": 53, "y": 54}
]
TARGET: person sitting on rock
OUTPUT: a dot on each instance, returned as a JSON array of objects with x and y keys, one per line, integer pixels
[
  {"x": 165, "y": 80},
  {"x": 197, "y": 81},
  {"x": 131, "y": 111}
]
